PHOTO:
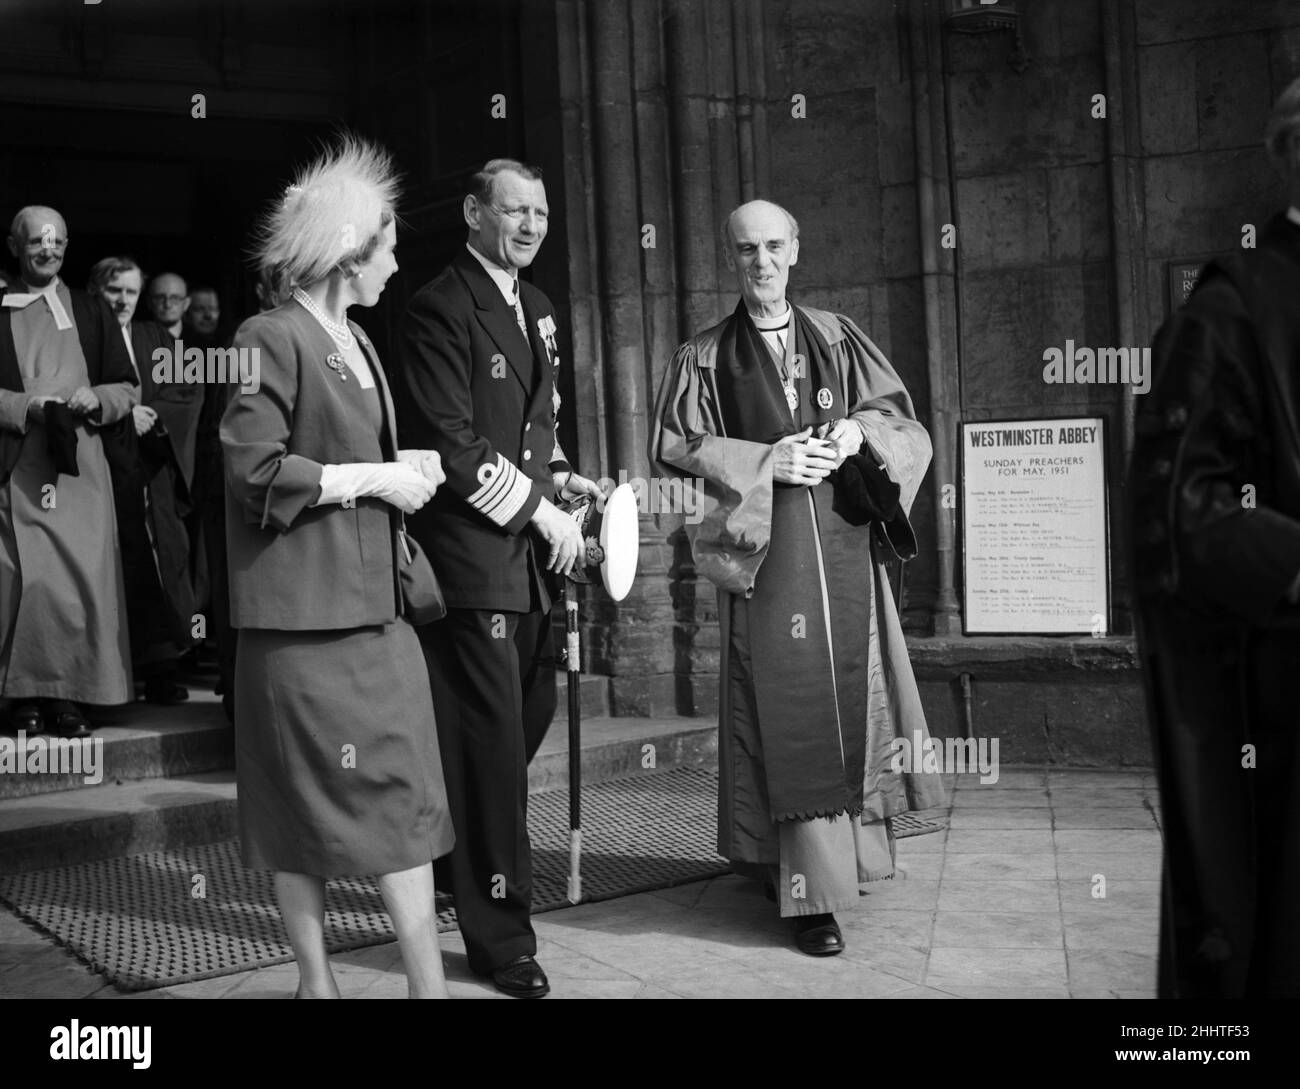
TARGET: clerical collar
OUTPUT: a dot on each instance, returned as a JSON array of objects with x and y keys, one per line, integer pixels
[
  {"x": 1293, "y": 214},
  {"x": 768, "y": 325},
  {"x": 51, "y": 288},
  {"x": 504, "y": 280}
]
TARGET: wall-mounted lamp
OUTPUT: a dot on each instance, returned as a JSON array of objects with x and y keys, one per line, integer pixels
[{"x": 985, "y": 17}]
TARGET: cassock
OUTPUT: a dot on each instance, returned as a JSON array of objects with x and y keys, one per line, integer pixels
[
  {"x": 152, "y": 500},
  {"x": 1214, "y": 505},
  {"x": 815, "y": 682},
  {"x": 63, "y": 632}
]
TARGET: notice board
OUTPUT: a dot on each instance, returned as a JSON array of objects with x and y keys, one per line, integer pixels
[{"x": 1035, "y": 527}]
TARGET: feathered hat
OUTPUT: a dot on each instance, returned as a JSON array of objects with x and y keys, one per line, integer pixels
[{"x": 329, "y": 215}]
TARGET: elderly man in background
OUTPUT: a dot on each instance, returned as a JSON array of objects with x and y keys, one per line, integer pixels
[
  {"x": 151, "y": 501},
  {"x": 207, "y": 524},
  {"x": 64, "y": 374},
  {"x": 810, "y": 456},
  {"x": 169, "y": 299},
  {"x": 1214, "y": 492},
  {"x": 204, "y": 314},
  {"x": 177, "y": 403}
]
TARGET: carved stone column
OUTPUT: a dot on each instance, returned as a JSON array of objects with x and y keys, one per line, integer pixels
[{"x": 665, "y": 131}]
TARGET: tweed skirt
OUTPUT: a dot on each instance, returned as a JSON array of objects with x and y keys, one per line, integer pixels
[{"x": 336, "y": 752}]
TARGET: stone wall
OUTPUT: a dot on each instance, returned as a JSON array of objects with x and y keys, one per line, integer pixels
[
  {"x": 876, "y": 124},
  {"x": 846, "y": 168},
  {"x": 1209, "y": 73}
]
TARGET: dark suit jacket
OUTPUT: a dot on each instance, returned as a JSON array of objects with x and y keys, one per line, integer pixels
[
  {"x": 107, "y": 362},
  {"x": 158, "y": 446},
  {"x": 179, "y": 403},
  {"x": 474, "y": 390},
  {"x": 293, "y": 566}
]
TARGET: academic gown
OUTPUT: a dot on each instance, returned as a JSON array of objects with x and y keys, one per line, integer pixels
[
  {"x": 1214, "y": 506},
  {"x": 784, "y": 564}
]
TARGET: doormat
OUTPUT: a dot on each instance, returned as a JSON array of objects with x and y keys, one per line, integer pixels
[
  {"x": 180, "y": 915},
  {"x": 917, "y": 824},
  {"x": 174, "y": 916}
]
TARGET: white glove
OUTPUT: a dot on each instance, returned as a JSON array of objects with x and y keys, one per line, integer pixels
[
  {"x": 429, "y": 462},
  {"x": 395, "y": 482}
]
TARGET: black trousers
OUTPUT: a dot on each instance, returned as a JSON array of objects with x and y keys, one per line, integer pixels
[
  {"x": 214, "y": 539},
  {"x": 493, "y": 679}
]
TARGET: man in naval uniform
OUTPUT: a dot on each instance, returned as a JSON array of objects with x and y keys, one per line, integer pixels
[{"x": 475, "y": 382}]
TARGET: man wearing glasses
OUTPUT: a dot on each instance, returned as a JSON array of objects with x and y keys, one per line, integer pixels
[
  {"x": 64, "y": 375},
  {"x": 178, "y": 403},
  {"x": 169, "y": 298},
  {"x": 475, "y": 381}
]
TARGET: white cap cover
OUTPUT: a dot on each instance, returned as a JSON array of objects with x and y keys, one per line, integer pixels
[{"x": 620, "y": 539}]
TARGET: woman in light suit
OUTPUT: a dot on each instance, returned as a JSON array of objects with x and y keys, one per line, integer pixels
[{"x": 336, "y": 752}]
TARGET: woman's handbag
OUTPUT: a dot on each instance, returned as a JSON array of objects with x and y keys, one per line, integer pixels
[{"x": 421, "y": 593}]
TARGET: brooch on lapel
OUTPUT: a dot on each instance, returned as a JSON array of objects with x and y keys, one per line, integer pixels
[{"x": 335, "y": 363}]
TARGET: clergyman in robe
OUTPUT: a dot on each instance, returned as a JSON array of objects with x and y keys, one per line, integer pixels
[
  {"x": 793, "y": 424},
  {"x": 65, "y": 383},
  {"x": 1214, "y": 502}
]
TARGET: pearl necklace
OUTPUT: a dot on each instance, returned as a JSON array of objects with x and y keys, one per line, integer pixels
[{"x": 339, "y": 331}]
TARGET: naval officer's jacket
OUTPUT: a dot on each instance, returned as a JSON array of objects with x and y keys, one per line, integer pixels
[{"x": 470, "y": 386}]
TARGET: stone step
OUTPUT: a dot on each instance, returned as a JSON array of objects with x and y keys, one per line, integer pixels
[
  {"x": 115, "y": 819},
  {"x": 613, "y": 748},
  {"x": 133, "y": 816},
  {"x": 593, "y": 691},
  {"x": 136, "y": 741},
  {"x": 145, "y": 741}
]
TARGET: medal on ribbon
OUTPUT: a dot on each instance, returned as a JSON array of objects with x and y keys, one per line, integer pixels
[{"x": 546, "y": 330}]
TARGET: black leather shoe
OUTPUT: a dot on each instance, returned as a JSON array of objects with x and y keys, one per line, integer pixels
[
  {"x": 521, "y": 978},
  {"x": 818, "y": 935},
  {"x": 27, "y": 718},
  {"x": 65, "y": 719},
  {"x": 166, "y": 691}
]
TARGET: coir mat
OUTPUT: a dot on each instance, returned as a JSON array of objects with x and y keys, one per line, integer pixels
[{"x": 184, "y": 914}]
